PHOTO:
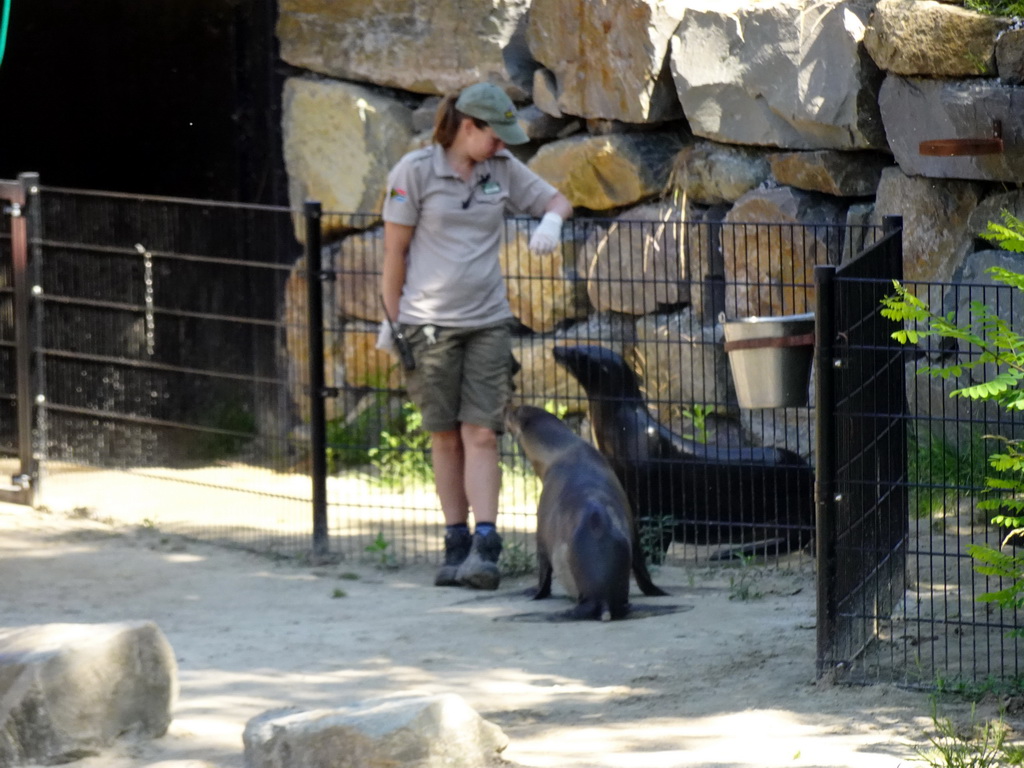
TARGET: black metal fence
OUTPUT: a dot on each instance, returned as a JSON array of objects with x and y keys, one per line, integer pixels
[
  {"x": 861, "y": 453},
  {"x": 175, "y": 381},
  {"x": 898, "y": 498}
]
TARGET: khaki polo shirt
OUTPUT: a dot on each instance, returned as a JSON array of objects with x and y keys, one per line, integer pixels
[{"x": 453, "y": 275}]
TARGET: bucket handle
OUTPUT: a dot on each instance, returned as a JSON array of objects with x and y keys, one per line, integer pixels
[{"x": 803, "y": 340}]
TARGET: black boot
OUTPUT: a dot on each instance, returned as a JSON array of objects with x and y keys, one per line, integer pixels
[
  {"x": 480, "y": 569},
  {"x": 456, "y": 547}
]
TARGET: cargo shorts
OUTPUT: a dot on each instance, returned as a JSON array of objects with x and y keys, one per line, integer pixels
[{"x": 462, "y": 375}]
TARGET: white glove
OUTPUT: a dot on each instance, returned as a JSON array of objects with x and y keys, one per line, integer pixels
[
  {"x": 548, "y": 234},
  {"x": 385, "y": 339}
]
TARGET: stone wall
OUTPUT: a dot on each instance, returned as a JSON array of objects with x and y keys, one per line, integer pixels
[{"x": 802, "y": 111}]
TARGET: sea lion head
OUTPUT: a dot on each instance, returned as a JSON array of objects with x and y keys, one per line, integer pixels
[
  {"x": 543, "y": 436},
  {"x": 600, "y": 371}
]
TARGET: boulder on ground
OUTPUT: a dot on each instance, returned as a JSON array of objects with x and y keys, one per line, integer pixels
[
  {"x": 412, "y": 732},
  {"x": 70, "y": 690}
]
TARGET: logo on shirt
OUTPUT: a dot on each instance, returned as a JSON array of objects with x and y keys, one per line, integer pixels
[{"x": 398, "y": 195}]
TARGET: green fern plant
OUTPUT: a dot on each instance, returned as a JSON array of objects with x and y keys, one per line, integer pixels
[{"x": 698, "y": 416}]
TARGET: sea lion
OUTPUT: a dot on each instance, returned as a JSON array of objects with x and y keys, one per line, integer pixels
[
  {"x": 585, "y": 532},
  {"x": 762, "y": 498}
]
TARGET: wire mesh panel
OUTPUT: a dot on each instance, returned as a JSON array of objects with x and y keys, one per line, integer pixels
[
  {"x": 718, "y": 479},
  {"x": 862, "y": 514},
  {"x": 942, "y": 632},
  {"x": 176, "y": 350},
  {"x": 178, "y": 355},
  {"x": 166, "y": 398},
  {"x": 898, "y": 589},
  {"x": 651, "y": 291}
]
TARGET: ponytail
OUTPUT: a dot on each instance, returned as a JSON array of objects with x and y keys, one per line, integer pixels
[{"x": 448, "y": 119}]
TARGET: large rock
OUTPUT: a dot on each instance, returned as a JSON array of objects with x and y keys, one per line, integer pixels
[
  {"x": 356, "y": 264},
  {"x": 541, "y": 126},
  {"x": 924, "y": 109},
  {"x": 711, "y": 173},
  {"x": 932, "y": 39},
  {"x": 544, "y": 291},
  {"x": 705, "y": 260},
  {"x": 973, "y": 284},
  {"x": 614, "y": 65},
  {"x": 960, "y": 422},
  {"x": 70, "y": 690},
  {"x": 778, "y": 73},
  {"x": 1010, "y": 56},
  {"x": 684, "y": 370},
  {"x": 605, "y": 172},
  {"x": 860, "y": 233},
  {"x": 769, "y": 267},
  {"x": 411, "y": 732},
  {"x": 791, "y": 428},
  {"x": 935, "y": 221},
  {"x": 545, "y": 93},
  {"x": 364, "y": 364},
  {"x": 843, "y": 174},
  {"x": 991, "y": 210},
  {"x": 423, "y": 46},
  {"x": 637, "y": 263},
  {"x": 340, "y": 142}
]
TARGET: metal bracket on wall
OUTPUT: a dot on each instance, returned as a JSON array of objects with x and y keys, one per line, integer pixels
[{"x": 965, "y": 147}]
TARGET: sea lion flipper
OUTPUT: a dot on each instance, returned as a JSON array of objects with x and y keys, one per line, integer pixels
[
  {"x": 761, "y": 548},
  {"x": 644, "y": 581},
  {"x": 544, "y": 579},
  {"x": 640, "y": 572}
]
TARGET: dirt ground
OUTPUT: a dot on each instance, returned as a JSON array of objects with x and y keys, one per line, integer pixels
[{"x": 728, "y": 680}]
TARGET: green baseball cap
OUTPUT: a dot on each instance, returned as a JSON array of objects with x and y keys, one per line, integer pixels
[{"x": 489, "y": 103}]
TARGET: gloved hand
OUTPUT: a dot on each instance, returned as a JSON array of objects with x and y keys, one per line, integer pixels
[
  {"x": 547, "y": 235},
  {"x": 385, "y": 339}
]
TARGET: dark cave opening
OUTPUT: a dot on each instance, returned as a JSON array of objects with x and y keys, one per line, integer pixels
[{"x": 164, "y": 97}]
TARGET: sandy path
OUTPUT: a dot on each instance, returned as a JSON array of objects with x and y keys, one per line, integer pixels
[{"x": 728, "y": 682}]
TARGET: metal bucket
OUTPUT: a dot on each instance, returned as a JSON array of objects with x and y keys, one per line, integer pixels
[{"x": 770, "y": 359}]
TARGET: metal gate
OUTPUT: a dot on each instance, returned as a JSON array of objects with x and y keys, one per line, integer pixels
[{"x": 862, "y": 516}]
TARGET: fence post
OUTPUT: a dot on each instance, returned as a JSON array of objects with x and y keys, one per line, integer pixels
[
  {"x": 317, "y": 412},
  {"x": 23, "y": 198},
  {"x": 825, "y": 462}
]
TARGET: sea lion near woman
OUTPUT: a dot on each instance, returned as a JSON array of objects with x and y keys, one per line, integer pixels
[
  {"x": 759, "y": 498},
  {"x": 585, "y": 533}
]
